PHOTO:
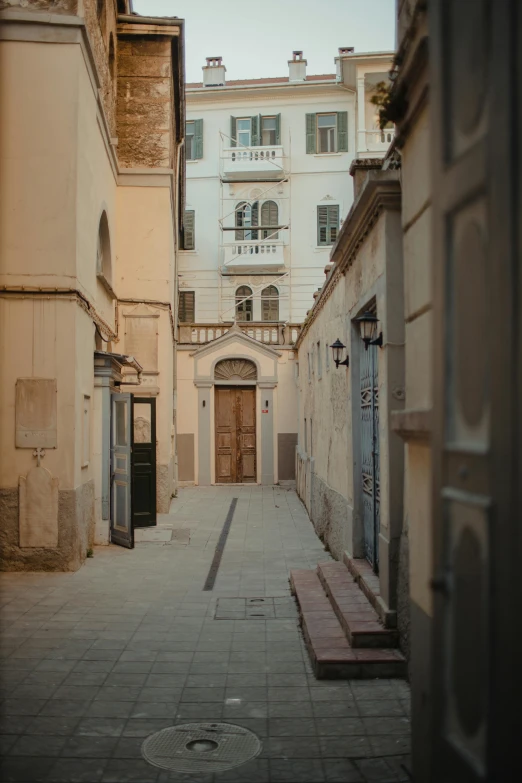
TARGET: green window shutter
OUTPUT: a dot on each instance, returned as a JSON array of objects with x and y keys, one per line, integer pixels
[
  {"x": 311, "y": 144},
  {"x": 333, "y": 223},
  {"x": 233, "y": 131},
  {"x": 186, "y": 309},
  {"x": 322, "y": 225},
  {"x": 327, "y": 224},
  {"x": 342, "y": 131},
  {"x": 269, "y": 217},
  {"x": 198, "y": 139},
  {"x": 189, "y": 233},
  {"x": 278, "y": 129},
  {"x": 256, "y": 126}
]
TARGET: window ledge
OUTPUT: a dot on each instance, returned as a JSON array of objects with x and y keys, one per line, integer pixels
[
  {"x": 105, "y": 283},
  {"x": 318, "y": 248},
  {"x": 193, "y": 160},
  {"x": 328, "y": 154},
  {"x": 188, "y": 252}
]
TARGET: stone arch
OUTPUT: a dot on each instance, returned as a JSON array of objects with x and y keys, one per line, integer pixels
[{"x": 235, "y": 370}]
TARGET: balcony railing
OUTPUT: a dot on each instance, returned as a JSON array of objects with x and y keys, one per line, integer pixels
[
  {"x": 375, "y": 140},
  {"x": 266, "y": 333},
  {"x": 243, "y": 163},
  {"x": 254, "y": 255}
]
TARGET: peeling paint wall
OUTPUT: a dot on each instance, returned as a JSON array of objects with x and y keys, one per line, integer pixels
[
  {"x": 100, "y": 31},
  {"x": 55, "y": 6}
]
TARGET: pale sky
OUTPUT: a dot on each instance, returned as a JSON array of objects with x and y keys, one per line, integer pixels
[{"x": 258, "y": 40}]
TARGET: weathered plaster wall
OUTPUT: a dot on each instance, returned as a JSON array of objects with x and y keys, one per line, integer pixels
[
  {"x": 54, "y": 6},
  {"x": 100, "y": 32},
  {"x": 145, "y": 110}
]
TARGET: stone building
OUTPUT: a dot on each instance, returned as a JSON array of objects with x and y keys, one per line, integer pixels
[
  {"x": 92, "y": 188},
  {"x": 267, "y": 193}
]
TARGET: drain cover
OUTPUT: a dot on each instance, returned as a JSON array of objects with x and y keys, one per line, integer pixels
[{"x": 201, "y": 747}]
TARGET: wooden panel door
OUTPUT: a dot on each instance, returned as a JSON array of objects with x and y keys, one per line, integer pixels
[
  {"x": 246, "y": 434},
  {"x": 235, "y": 435},
  {"x": 226, "y": 463}
]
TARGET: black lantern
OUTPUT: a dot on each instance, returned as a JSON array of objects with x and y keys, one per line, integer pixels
[
  {"x": 337, "y": 349},
  {"x": 368, "y": 325}
]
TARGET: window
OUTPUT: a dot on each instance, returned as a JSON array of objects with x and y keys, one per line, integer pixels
[
  {"x": 319, "y": 365},
  {"x": 327, "y": 133},
  {"x": 305, "y": 436},
  {"x": 189, "y": 231},
  {"x": 269, "y": 217},
  {"x": 311, "y": 438},
  {"x": 187, "y": 306},
  {"x": 103, "y": 251},
  {"x": 256, "y": 130},
  {"x": 243, "y": 304},
  {"x": 327, "y": 223},
  {"x": 194, "y": 139},
  {"x": 247, "y": 215},
  {"x": 270, "y": 304},
  {"x": 268, "y": 131},
  {"x": 309, "y": 366},
  {"x": 244, "y": 132},
  {"x": 327, "y": 355}
]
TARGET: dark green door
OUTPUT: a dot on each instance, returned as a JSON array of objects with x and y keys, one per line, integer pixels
[{"x": 144, "y": 462}]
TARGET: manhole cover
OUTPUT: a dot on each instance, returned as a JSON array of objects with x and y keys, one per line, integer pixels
[{"x": 200, "y": 747}]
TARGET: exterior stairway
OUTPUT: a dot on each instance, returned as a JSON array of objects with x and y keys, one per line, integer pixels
[{"x": 345, "y": 636}]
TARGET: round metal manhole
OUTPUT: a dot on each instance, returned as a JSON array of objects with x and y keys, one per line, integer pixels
[{"x": 200, "y": 747}]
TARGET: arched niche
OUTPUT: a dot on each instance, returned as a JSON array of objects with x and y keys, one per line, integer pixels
[{"x": 235, "y": 370}]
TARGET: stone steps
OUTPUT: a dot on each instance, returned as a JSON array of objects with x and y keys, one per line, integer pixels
[
  {"x": 356, "y": 615},
  {"x": 368, "y": 581},
  {"x": 331, "y": 653}
]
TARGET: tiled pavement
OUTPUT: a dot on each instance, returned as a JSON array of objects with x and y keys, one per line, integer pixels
[{"x": 93, "y": 662}]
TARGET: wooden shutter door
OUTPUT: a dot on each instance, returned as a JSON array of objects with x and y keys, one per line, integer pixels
[
  {"x": 189, "y": 230},
  {"x": 311, "y": 145},
  {"x": 198, "y": 139},
  {"x": 246, "y": 434},
  {"x": 342, "y": 131},
  {"x": 255, "y": 130},
  {"x": 233, "y": 131},
  {"x": 226, "y": 446},
  {"x": 475, "y": 91},
  {"x": 278, "y": 129},
  {"x": 322, "y": 225}
]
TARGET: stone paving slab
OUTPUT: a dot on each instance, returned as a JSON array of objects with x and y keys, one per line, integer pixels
[{"x": 95, "y": 661}]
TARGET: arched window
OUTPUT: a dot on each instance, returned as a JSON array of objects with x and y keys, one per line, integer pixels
[
  {"x": 270, "y": 304},
  {"x": 112, "y": 61},
  {"x": 269, "y": 217},
  {"x": 103, "y": 252},
  {"x": 247, "y": 215},
  {"x": 243, "y": 305}
]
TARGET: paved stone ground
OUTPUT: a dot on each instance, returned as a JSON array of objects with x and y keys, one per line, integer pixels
[{"x": 94, "y": 662}]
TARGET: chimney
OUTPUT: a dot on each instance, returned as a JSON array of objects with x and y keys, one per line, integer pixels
[
  {"x": 214, "y": 72},
  {"x": 297, "y": 67},
  {"x": 345, "y": 50}
]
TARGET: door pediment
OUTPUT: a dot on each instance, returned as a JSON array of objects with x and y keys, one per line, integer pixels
[{"x": 235, "y": 346}]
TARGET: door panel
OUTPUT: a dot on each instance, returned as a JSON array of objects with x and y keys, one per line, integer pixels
[
  {"x": 369, "y": 402},
  {"x": 246, "y": 424},
  {"x": 121, "y": 520},
  {"x": 225, "y": 436},
  {"x": 144, "y": 462},
  {"x": 235, "y": 435}
]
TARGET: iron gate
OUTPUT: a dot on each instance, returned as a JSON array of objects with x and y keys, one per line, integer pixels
[{"x": 369, "y": 391}]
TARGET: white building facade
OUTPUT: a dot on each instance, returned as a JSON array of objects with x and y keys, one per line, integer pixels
[{"x": 267, "y": 191}]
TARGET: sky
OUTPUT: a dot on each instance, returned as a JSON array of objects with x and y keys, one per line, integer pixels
[{"x": 258, "y": 40}]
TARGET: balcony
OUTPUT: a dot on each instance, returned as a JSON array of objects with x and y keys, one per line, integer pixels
[
  {"x": 244, "y": 164},
  {"x": 375, "y": 142},
  {"x": 266, "y": 333},
  {"x": 254, "y": 255}
]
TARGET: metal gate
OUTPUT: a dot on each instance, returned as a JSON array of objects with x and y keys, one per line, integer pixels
[{"x": 369, "y": 391}]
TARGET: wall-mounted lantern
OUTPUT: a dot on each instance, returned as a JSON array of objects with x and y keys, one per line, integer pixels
[
  {"x": 368, "y": 325},
  {"x": 337, "y": 349}
]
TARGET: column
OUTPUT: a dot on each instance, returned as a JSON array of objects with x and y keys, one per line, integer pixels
[
  {"x": 361, "y": 116},
  {"x": 204, "y": 439},
  {"x": 267, "y": 433}
]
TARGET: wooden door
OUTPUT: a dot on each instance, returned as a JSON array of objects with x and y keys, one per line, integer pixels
[
  {"x": 475, "y": 93},
  {"x": 144, "y": 462},
  {"x": 235, "y": 435},
  {"x": 122, "y": 532}
]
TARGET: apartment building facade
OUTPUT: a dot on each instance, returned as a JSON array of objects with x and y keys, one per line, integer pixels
[{"x": 267, "y": 191}]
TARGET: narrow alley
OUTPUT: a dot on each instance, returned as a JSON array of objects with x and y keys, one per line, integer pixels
[{"x": 96, "y": 661}]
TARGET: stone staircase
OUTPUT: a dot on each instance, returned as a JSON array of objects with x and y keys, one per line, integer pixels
[{"x": 348, "y": 631}]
